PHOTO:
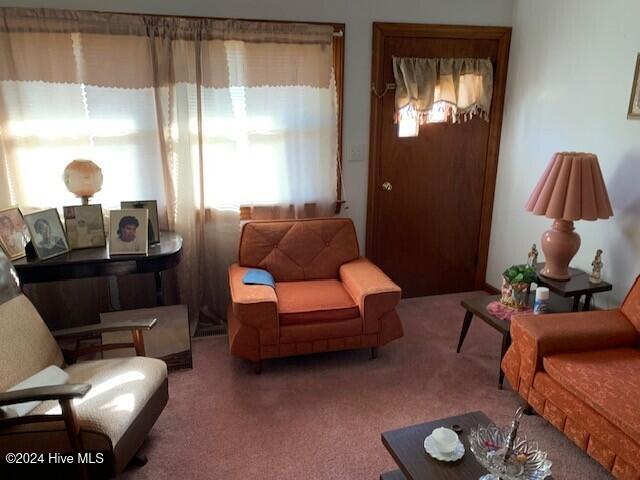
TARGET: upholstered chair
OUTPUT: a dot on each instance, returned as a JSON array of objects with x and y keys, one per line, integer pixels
[
  {"x": 104, "y": 407},
  {"x": 326, "y": 296}
]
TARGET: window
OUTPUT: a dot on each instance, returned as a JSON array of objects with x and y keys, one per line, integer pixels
[{"x": 249, "y": 143}]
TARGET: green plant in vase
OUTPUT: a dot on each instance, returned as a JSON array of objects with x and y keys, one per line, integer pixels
[{"x": 515, "y": 283}]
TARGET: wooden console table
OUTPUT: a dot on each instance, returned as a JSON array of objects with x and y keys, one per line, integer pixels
[{"x": 96, "y": 262}]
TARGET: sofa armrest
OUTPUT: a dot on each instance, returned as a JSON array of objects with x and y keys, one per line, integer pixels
[
  {"x": 372, "y": 290},
  {"x": 536, "y": 336}
]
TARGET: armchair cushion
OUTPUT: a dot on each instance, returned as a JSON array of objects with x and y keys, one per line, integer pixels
[
  {"x": 314, "y": 301},
  {"x": 120, "y": 390},
  {"x": 606, "y": 380},
  {"x": 51, "y": 375}
]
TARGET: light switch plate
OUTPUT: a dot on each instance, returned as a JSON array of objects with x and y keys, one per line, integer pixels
[{"x": 357, "y": 153}]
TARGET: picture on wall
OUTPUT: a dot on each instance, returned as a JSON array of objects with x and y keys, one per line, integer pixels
[
  {"x": 12, "y": 238},
  {"x": 128, "y": 232},
  {"x": 85, "y": 226},
  {"x": 47, "y": 234},
  {"x": 634, "y": 102},
  {"x": 152, "y": 207}
]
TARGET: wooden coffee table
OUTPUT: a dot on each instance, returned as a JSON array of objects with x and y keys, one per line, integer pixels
[{"x": 406, "y": 446}]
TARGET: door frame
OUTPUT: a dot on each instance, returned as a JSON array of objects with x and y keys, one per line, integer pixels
[{"x": 412, "y": 30}]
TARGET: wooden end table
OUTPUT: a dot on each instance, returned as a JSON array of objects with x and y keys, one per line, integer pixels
[
  {"x": 478, "y": 306},
  {"x": 566, "y": 298},
  {"x": 575, "y": 288}
]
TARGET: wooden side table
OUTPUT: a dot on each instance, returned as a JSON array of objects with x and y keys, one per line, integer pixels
[
  {"x": 96, "y": 262},
  {"x": 478, "y": 306},
  {"x": 566, "y": 298},
  {"x": 576, "y": 287}
]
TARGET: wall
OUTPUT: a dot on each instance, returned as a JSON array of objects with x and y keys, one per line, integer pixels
[
  {"x": 570, "y": 77},
  {"x": 358, "y": 16}
]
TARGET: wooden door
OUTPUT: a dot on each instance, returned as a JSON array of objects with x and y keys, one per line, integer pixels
[{"x": 430, "y": 231}]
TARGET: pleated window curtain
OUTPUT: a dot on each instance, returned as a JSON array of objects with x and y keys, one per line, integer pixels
[
  {"x": 209, "y": 117},
  {"x": 442, "y": 89}
]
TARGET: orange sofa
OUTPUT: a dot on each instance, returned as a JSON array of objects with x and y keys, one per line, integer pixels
[
  {"x": 581, "y": 371},
  {"x": 326, "y": 296}
]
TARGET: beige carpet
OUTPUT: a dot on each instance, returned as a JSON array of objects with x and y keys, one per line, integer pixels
[{"x": 320, "y": 416}]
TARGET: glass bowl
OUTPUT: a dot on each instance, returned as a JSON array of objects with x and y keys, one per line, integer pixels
[{"x": 489, "y": 445}]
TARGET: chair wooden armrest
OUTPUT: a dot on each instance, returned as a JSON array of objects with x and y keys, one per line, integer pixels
[
  {"x": 89, "y": 330},
  {"x": 47, "y": 392},
  {"x": 64, "y": 394},
  {"x": 135, "y": 327}
]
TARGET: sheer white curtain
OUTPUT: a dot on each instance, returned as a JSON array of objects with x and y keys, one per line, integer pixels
[{"x": 207, "y": 117}]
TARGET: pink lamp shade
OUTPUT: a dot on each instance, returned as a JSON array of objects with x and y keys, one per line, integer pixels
[{"x": 571, "y": 188}]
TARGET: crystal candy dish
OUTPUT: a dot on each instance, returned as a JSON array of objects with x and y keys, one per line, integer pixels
[{"x": 490, "y": 445}]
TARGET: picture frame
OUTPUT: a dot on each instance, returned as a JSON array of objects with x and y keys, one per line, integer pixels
[
  {"x": 85, "y": 226},
  {"x": 152, "y": 207},
  {"x": 634, "y": 101},
  {"x": 128, "y": 232},
  {"x": 12, "y": 233},
  {"x": 47, "y": 233}
]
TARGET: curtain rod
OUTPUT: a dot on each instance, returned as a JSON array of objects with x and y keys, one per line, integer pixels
[{"x": 338, "y": 28}]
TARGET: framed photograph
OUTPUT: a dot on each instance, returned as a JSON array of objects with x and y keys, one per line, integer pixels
[
  {"x": 12, "y": 238},
  {"x": 128, "y": 232},
  {"x": 47, "y": 234},
  {"x": 634, "y": 102},
  {"x": 85, "y": 226},
  {"x": 152, "y": 207}
]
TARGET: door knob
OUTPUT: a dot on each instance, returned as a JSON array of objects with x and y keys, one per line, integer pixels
[{"x": 387, "y": 187}]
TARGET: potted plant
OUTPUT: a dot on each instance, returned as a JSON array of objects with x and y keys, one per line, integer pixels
[{"x": 516, "y": 281}]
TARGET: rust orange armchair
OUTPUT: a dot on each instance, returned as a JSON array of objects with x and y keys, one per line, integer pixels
[
  {"x": 581, "y": 372},
  {"x": 326, "y": 296}
]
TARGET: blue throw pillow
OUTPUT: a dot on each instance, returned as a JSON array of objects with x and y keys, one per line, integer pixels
[{"x": 257, "y": 276}]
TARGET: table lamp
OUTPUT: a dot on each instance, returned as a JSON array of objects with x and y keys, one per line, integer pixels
[
  {"x": 83, "y": 178},
  {"x": 571, "y": 188}
]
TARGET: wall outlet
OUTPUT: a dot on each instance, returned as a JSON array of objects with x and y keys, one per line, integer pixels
[{"x": 357, "y": 153}]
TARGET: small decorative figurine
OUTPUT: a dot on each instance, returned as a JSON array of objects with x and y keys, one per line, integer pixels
[
  {"x": 596, "y": 273},
  {"x": 532, "y": 257}
]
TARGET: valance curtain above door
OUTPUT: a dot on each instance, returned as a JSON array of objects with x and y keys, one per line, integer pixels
[{"x": 458, "y": 87}]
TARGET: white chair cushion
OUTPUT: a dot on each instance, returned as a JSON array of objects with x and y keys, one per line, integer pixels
[
  {"x": 51, "y": 375},
  {"x": 120, "y": 387}
]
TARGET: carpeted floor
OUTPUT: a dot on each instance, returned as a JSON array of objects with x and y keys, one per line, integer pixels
[{"x": 320, "y": 416}]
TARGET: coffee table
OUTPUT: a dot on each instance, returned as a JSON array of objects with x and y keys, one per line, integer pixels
[{"x": 406, "y": 446}]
